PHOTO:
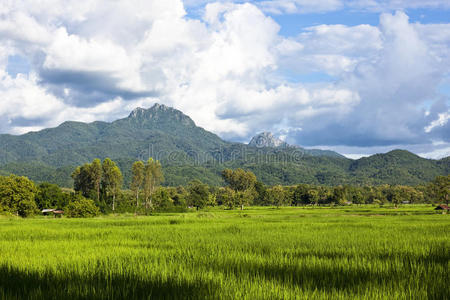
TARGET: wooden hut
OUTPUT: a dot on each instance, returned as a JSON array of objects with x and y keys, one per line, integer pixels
[{"x": 442, "y": 207}]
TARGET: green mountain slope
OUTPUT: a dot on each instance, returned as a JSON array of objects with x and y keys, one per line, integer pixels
[{"x": 189, "y": 152}]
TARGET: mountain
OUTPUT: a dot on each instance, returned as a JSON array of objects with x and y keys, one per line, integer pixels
[
  {"x": 158, "y": 131},
  {"x": 267, "y": 139},
  {"x": 189, "y": 152}
]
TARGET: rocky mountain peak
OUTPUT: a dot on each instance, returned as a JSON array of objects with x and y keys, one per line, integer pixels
[
  {"x": 160, "y": 113},
  {"x": 137, "y": 112},
  {"x": 267, "y": 139}
]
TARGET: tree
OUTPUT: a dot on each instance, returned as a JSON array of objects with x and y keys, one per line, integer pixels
[
  {"x": 96, "y": 173},
  {"x": 138, "y": 178},
  {"x": 226, "y": 197},
  {"x": 278, "y": 195},
  {"x": 242, "y": 198},
  {"x": 260, "y": 194},
  {"x": 357, "y": 197},
  {"x": 179, "y": 196},
  {"x": 243, "y": 183},
  {"x": 198, "y": 194},
  {"x": 340, "y": 194},
  {"x": 300, "y": 196},
  {"x": 313, "y": 196},
  {"x": 88, "y": 178},
  {"x": 162, "y": 198},
  {"x": 83, "y": 181},
  {"x": 49, "y": 196},
  {"x": 112, "y": 179},
  {"x": 17, "y": 195},
  {"x": 153, "y": 176},
  {"x": 80, "y": 207},
  {"x": 239, "y": 180},
  {"x": 440, "y": 188},
  {"x": 324, "y": 194}
]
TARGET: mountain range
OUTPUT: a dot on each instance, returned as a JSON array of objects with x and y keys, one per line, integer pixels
[{"x": 189, "y": 152}]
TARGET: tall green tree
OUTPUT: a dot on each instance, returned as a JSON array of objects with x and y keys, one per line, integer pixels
[
  {"x": 17, "y": 195},
  {"x": 440, "y": 188},
  {"x": 198, "y": 194},
  {"x": 243, "y": 183},
  {"x": 153, "y": 176},
  {"x": 239, "y": 180},
  {"x": 137, "y": 171},
  {"x": 300, "y": 196},
  {"x": 96, "y": 174},
  {"x": 112, "y": 179},
  {"x": 49, "y": 196},
  {"x": 278, "y": 196},
  {"x": 83, "y": 181},
  {"x": 313, "y": 196},
  {"x": 226, "y": 197}
]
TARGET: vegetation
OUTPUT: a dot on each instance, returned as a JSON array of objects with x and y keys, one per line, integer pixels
[
  {"x": 266, "y": 253},
  {"x": 81, "y": 207},
  {"x": 102, "y": 183},
  {"x": 189, "y": 152},
  {"x": 17, "y": 196},
  {"x": 304, "y": 240}
]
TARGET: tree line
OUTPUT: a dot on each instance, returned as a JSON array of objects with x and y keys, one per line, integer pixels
[{"x": 98, "y": 188}]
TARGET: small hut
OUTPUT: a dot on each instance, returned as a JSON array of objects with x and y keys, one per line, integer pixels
[
  {"x": 58, "y": 213},
  {"x": 442, "y": 207},
  {"x": 47, "y": 211}
]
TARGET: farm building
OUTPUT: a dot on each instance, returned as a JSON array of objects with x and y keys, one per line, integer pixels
[
  {"x": 56, "y": 212},
  {"x": 442, "y": 207}
]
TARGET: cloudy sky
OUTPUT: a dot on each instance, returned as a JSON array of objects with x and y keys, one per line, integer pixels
[{"x": 356, "y": 76}]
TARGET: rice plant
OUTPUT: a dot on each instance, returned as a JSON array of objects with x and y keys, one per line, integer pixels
[{"x": 260, "y": 253}]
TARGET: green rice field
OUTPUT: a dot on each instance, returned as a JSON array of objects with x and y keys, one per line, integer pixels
[{"x": 259, "y": 253}]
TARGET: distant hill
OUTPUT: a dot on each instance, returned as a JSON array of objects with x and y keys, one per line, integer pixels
[{"x": 189, "y": 152}]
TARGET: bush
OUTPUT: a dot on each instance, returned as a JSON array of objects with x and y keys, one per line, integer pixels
[
  {"x": 27, "y": 208},
  {"x": 17, "y": 195},
  {"x": 82, "y": 208}
]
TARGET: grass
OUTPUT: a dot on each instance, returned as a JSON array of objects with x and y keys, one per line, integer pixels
[{"x": 259, "y": 253}]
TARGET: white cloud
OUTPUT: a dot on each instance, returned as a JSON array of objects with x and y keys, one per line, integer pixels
[
  {"x": 440, "y": 121},
  {"x": 321, "y": 6},
  {"x": 390, "y": 5},
  {"x": 230, "y": 70},
  {"x": 300, "y": 6}
]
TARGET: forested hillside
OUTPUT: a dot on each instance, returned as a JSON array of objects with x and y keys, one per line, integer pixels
[{"x": 189, "y": 152}]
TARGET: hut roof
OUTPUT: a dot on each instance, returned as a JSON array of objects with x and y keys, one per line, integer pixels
[{"x": 442, "y": 206}]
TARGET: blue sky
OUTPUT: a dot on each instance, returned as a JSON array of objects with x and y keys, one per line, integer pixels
[{"x": 358, "y": 76}]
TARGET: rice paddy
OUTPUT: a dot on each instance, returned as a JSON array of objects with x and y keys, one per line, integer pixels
[{"x": 258, "y": 253}]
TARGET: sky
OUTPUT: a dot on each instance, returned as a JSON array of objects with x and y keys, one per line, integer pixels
[{"x": 359, "y": 76}]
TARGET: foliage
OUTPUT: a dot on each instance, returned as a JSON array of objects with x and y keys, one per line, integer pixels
[
  {"x": 198, "y": 194},
  {"x": 17, "y": 195},
  {"x": 80, "y": 207},
  {"x": 440, "y": 188},
  {"x": 153, "y": 176},
  {"x": 50, "y": 196},
  {"x": 137, "y": 170},
  {"x": 111, "y": 181},
  {"x": 243, "y": 184},
  {"x": 189, "y": 152}
]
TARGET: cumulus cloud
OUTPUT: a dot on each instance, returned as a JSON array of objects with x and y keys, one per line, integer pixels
[
  {"x": 230, "y": 70},
  {"x": 399, "y": 74},
  {"x": 300, "y": 6},
  {"x": 321, "y": 6}
]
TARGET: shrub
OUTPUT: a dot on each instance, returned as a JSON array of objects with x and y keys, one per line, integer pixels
[
  {"x": 27, "y": 208},
  {"x": 82, "y": 208}
]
